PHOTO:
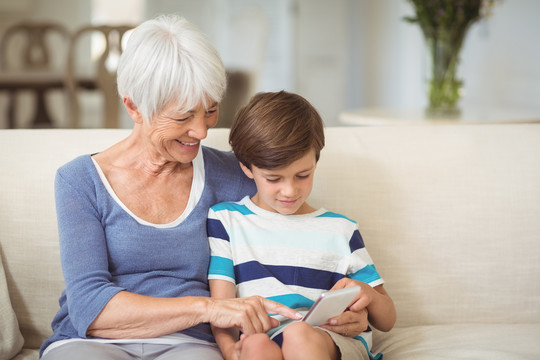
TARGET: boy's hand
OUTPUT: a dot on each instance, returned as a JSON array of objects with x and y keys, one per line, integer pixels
[
  {"x": 354, "y": 321},
  {"x": 349, "y": 323},
  {"x": 376, "y": 302},
  {"x": 363, "y": 299},
  {"x": 238, "y": 346}
]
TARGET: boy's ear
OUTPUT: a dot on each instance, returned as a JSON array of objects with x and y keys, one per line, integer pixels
[{"x": 246, "y": 170}]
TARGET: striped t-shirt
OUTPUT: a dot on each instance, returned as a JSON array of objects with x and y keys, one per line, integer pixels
[{"x": 290, "y": 259}]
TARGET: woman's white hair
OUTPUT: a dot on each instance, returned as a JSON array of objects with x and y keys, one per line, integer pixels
[{"x": 167, "y": 60}]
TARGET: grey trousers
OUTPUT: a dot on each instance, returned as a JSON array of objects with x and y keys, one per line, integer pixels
[{"x": 89, "y": 350}]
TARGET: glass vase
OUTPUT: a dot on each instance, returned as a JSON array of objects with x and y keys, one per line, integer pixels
[{"x": 444, "y": 88}]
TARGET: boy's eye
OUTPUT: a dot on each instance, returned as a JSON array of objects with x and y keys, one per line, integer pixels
[
  {"x": 272, "y": 180},
  {"x": 302, "y": 176}
]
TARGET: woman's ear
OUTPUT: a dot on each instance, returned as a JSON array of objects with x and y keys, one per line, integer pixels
[
  {"x": 132, "y": 110},
  {"x": 246, "y": 170}
]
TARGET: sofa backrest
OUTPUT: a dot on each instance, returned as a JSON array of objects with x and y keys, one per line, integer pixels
[{"x": 450, "y": 215}]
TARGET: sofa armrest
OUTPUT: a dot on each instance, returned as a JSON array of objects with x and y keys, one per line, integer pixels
[{"x": 11, "y": 340}]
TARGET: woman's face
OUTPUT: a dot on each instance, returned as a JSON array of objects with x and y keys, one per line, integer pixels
[{"x": 175, "y": 135}]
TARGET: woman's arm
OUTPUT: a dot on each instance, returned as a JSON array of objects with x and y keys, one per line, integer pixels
[{"x": 129, "y": 315}]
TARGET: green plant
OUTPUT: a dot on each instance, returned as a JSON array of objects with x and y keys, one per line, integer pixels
[{"x": 444, "y": 24}]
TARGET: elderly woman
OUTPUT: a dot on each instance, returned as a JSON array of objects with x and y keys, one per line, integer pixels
[{"x": 132, "y": 218}]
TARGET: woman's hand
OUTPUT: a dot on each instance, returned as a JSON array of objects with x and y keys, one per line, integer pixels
[{"x": 249, "y": 314}]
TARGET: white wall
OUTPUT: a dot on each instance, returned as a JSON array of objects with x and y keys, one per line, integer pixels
[
  {"x": 253, "y": 35},
  {"x": 344, "y": 54},
  {"x": 499, "y": 60},
  {"x": 321, "y": 55},
  {"x": 386, "y": 55},
  {"x": 70, "y": 13},
  {"x": 361, "y": 53}
]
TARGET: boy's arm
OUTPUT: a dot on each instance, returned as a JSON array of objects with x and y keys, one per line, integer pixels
[
  {"x": 225, "y": 338},
  {"x": 381, "y": 309},
  {"x": 381, "y": 312}
]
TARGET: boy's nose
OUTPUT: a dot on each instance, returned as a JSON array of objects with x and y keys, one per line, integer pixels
[{"x": 288, "y": 189}]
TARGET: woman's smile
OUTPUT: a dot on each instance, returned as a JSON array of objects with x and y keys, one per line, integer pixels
[{"x": 185, "y": 143}]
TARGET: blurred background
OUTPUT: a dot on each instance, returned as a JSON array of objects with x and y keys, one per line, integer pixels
[{"x": 341, "y": 55}]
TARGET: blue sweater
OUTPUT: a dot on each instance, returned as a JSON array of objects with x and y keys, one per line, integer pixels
[{"x": 104, "y": 250}]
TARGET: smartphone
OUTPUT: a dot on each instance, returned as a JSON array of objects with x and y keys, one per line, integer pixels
[{"x": 330, "y": 304}]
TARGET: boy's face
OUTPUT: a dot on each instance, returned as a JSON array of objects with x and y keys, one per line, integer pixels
[{"x": 284, "y": 190}]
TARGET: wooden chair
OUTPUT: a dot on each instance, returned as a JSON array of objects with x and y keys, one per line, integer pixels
[
  {"x": 32, "y": 54},
  {"x": 36, "y": 50},
  {"x": 237, "y": 94},
  {"x": 99, "y": 73}
]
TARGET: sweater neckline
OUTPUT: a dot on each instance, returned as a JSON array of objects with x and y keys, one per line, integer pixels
[{"x": 197, "y": 186}]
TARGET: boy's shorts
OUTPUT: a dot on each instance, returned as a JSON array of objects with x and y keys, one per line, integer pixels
[{"x": 351, "y": 349}]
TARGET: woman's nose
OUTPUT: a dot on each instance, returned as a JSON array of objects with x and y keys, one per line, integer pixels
[{"x": 199, "y": 127}]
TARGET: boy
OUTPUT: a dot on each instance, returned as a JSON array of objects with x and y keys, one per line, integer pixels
[{"x": 277, "y": 246}]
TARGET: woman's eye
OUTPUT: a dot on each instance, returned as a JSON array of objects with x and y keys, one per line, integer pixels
[{"x": 180, "y": 118}]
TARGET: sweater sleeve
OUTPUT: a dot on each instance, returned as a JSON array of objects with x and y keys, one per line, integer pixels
[
  {"x": 83, "y": 249},
  {"x": 221, "y": 262}
]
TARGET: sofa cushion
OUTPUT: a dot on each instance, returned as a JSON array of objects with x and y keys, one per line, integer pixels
[
  {"x": 465, "y": 341},
  {"x": 27, "y": 354},
  {"x": 11, "y": 340}
]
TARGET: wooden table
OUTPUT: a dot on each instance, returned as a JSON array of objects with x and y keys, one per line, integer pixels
[
  {"x": 39, "y": 82},
  {"x": 478, "y": 115}
]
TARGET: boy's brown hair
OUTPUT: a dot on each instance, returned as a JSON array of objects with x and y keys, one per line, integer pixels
[{"x": 275, "y": 129}]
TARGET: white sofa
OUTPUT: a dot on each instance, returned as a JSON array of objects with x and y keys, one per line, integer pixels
[{"x": 450, "y": 214}]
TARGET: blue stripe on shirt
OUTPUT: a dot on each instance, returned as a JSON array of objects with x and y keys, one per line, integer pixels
[
  {"x": 215, "y": 229},
  {"x": 330, "y": 214},
  {"x": 366, "y": 274},
  {"x": 242, "y": 209},
  {"x": 221, "y": 266},
  {"x": 294, "y": 301},
  {"x": 356, "y": 242},
  {"x": 288, "y": 275}
]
